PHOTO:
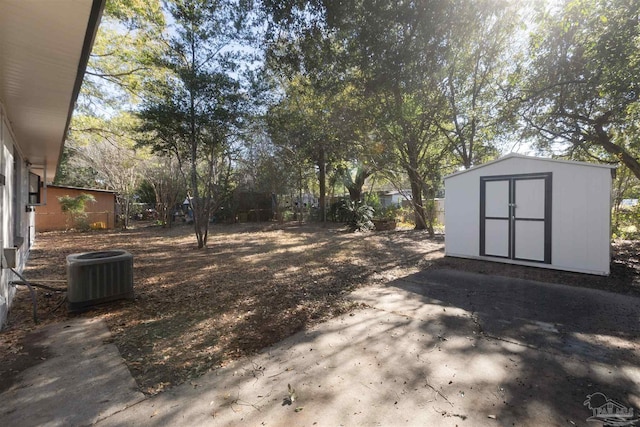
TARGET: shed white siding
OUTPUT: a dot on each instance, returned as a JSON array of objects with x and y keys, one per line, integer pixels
[{"x": 580, "y": 212}]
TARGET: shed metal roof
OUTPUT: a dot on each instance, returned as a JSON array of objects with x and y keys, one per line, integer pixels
[
  {"x": 520, "y": 156},
  {"x": 71, "y": 187}
]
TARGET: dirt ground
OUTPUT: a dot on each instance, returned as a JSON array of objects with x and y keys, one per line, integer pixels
[{"x": 197, "y": 310}]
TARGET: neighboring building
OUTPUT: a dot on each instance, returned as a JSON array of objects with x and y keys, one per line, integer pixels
[
  {"x": 44, "y": 49},
  {"x": 403, "y": 199},
  {"x": 394, "y": 197},
  {"x": 100, "y": 214},
  {"x": 628, "y": 203},
  {"x": 531, "y": 211}
]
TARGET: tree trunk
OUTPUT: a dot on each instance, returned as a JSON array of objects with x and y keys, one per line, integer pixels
[
  {"x": 416, "y": 183},
  {"x": 322, "y": 178},
  {"x": 196, "y": 204},
  {"x": 127, "y": 212},
  {"x": 416, "y": 200},
  {"x": 194, "y": 200},
  {"x": 355, "y": 186},
  {"x": 355, "y": 194},
  {"x": 298, "y": 205},
  {"x": 430, "y": 209},
  {"x": 603, "y": 139}
]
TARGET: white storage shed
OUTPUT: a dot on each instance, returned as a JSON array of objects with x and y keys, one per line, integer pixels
[{"x": 531, "y": 211}]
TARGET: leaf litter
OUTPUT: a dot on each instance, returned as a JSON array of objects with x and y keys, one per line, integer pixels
[{"x": 256, "y": 284}]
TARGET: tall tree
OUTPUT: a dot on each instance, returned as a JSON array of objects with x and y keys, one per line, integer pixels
[
  {"x": 169, "y": 187},
  {"x": 397, "y": 48},
  {"x": 472, "y": 75},
  {"x": 353, "y": 177},
  {"x": 304, "y": 122},
  {"x": 410, "y": 141},
  {"x": 128, "y": 38},
  {"x": 400, "y": 47},
  {"x": 118, "y": 164},
  {"x": 581, "y": 92},
  {"x": 101, "y": 129},
  {"x": 261, "y": 166},
  {"x": 194, "y": 112}
]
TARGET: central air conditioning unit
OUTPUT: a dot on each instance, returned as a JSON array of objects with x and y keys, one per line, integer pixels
[{"x": 98, "y": 277}]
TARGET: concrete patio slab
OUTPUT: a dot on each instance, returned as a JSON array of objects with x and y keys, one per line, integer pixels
[
  {"x": 79, "y": 378},
  {"x": 418, "y": 359},
  {"x": 436, "y": 348}
]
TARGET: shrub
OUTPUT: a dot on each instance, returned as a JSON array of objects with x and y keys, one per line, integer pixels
[
  {"x": 358, "y": 215},
  {"x": 337, "y": 212},
  {"x": 627, "y": 223},
  {"x": 373, "y": 200},
  {"x": 388, "y": 212},
  {"x": 74, "y": 207}
]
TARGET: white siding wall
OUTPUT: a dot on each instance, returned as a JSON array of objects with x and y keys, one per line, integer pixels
[
  {"x": 14, "y": 220},
  {"x": 462, "y": 215},
  {"x": 6, "y": 232},
  {"x": 581, "y": 203}
]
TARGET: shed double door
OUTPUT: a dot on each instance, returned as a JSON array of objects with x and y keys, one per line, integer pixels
[{"x": 515, "y": 217}]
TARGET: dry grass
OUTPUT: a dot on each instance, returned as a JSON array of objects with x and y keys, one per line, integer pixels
[{"x": 196, "y": 310}]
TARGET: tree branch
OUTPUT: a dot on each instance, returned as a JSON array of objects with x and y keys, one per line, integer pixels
[{"x": 113, "y": 75}]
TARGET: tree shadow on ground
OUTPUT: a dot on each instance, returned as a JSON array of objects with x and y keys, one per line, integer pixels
[
  {"x": 197, "y": 310},
  {"x": 553, "y": 345}
]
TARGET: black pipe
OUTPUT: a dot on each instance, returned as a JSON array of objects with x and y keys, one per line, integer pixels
[{"x": 31, "y": 291}]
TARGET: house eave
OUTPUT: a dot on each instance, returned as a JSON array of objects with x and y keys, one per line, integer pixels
[{"x": 45, "y": 47}]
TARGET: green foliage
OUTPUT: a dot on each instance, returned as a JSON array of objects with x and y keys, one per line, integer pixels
[
  {"x": 353, "y": 178},
  {"x": 582, "y": 91},
  {"x": 627, "y": 223},
  {"x": 288, "y": 215},
  {"x": 168, "y": 185},
  {"x": 406, "y": 215},
  {"x": 358, "y": 215},
  {"x": 262, "y": 166},
  {"x": 74, "y": 207},
  {"x": 196, "y": 107},
  {"x": 135, "y": 14},
  {"x": 400, "y": 61},
  {"x": 337, "y": 213},
  {"x": 372, "y": 199},
  {"x": 75, "y": 204},
  {"x": 388, "y": 212},
  {"x": 146, "y": 193},
  {"x": 72, "y": 173},
  {"x": 476, "y": 112},
  {"x": 309, "y": 124}
]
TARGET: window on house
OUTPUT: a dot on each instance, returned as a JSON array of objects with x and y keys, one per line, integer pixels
[
  {"x": 34, "y": 189},
  {"x": 18, "y": 208}
]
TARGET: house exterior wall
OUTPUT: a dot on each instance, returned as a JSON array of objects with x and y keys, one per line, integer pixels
[
  {"x": 580, "y": 212},
  {"x": 100, "y": 214},
  {"x": 16, "y": 223}
]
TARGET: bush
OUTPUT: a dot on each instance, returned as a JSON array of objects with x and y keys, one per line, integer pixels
[
  {"x": 74, "y": 207},
  {"x": 373, "y": 200},
  {"x": 287, "y": 215},
  {"x": 388, "y": 212},
  {"x": 627, "y": 223},
  {"x": 337, "y": 212},
  {"x": 358, "y": 215}
]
